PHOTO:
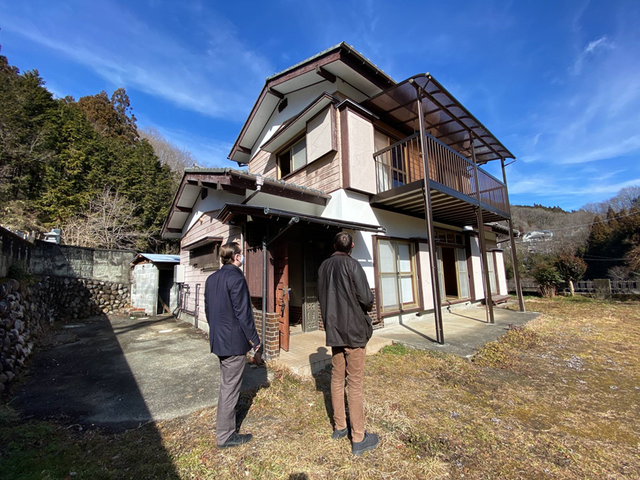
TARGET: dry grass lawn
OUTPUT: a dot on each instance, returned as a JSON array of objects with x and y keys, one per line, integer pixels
[{"x": 559, "y": 398}]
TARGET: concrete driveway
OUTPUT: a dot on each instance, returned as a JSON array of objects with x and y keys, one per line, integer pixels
[{"x": 118, "y": 373}]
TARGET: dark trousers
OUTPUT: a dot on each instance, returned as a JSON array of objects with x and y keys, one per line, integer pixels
[
  {"x": 348, "y": 362},
  {"x": 231, "y": 371}
]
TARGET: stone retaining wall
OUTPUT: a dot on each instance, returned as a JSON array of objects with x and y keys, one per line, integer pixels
[{"x": 26, "y": 312}]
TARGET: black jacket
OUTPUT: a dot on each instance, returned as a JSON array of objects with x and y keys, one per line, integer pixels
[
  {"x": 227, "y": 305},
  {"x": 345, "y": 297}
]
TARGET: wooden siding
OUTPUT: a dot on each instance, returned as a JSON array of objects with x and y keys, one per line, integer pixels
[
  {"x": 322, "y": 174},
  {"x": 264, "y": 163},
  {"x": 206, "y": 226}
]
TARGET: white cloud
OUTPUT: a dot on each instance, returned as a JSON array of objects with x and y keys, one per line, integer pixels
[
  {"x": 602, "y": 43},
  {"x": 563, "y": 186},
  {"x": 219, "y": 80}
]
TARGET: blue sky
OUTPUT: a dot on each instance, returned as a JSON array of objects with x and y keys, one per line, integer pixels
[{"x": 557, "y": 82}]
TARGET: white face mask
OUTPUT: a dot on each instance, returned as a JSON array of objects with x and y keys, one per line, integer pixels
[{"x": 241, "y": 260}]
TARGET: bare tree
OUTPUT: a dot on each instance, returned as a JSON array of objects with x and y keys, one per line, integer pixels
[
  {"x": 109, "y": 222},
  {"x": 625, "y": 199},
  {"x": 169, "y": 153}
]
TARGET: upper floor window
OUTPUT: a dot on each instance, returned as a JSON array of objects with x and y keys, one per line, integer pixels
[{"x": 293, "y": 158}]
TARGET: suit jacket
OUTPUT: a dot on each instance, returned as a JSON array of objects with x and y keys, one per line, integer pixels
[
  {"x": 227, "y": 305},
  {"x": 345, "y": 298}
]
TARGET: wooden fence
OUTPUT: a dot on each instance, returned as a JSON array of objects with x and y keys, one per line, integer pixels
[
  {"x": 617, "y": 286},
  {"x": 630, "y": 287}
]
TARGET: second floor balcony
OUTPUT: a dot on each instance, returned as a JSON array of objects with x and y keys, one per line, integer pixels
[
  {"x": 400, "y": 174},
  {"x": 454, "y": 138}
]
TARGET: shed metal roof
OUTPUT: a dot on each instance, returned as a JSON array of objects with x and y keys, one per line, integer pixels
[{"x": 157, "y": 258}]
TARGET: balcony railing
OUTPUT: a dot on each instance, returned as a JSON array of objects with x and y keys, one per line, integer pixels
[{"x": 401, "y": 164}]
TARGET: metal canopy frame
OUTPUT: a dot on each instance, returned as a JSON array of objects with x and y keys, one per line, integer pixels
[
  {"x": 421, "y": 104},
  {"x": 445, "y": 118}
]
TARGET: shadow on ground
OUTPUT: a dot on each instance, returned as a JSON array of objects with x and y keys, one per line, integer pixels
[{"x": 81, "y": 378}]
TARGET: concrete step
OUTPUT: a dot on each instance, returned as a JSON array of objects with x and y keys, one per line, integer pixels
[{"x": 318, "y": 359}]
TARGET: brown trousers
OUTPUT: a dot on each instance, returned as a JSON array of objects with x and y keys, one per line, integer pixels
[{"x": 348, "y": 362}]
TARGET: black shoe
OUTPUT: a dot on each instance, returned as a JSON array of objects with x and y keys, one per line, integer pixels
[
  {"x": 236, "y": 439},
  {"x": 338, "y": 434},
  {"x": 369, "y": 442}
]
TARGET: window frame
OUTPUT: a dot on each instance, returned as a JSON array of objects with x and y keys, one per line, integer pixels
[
  {"x": 397, "y": 175},
  {"x": 196, "y": 253},
  {"x": 417, "y": 305},
  {"x": 288, "y": 149}
]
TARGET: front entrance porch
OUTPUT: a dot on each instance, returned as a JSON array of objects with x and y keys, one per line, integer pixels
[{"x": 467, "y": 331}]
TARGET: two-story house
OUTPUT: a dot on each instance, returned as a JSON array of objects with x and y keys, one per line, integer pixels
[{"x": 333, "y": 143}]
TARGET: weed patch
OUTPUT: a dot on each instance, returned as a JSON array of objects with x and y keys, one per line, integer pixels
[
  {"x": 395, "y": 349},
  {"x": 555, "y": 399}
]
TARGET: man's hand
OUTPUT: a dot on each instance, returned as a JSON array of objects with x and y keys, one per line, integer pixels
[{"x": 257, "y": 359}]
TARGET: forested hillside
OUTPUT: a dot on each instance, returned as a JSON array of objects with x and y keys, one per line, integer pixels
[
  {"x": 81, "y": 166},
  {"x": 604, "y": 235}
]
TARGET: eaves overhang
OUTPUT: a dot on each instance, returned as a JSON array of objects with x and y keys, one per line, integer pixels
[
  {"x": 340, "y": 61},
  {"x": 230, "y": 211},
  {"x": 198, "y": 182},
  {"x": 292, "y": 128}
]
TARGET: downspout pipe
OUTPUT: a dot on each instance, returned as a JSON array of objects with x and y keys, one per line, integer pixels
[
  {"x": 259, "y": 183},
  {"x": 266, "y": 243}
]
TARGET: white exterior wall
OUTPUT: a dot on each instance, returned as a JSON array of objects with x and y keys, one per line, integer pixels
[
  {"x": 362, "y": 174},
  {"x": 501, "y": 273},
  {"x": 425, "y": 270},
  {"x": 476, "y": 266},
  {"x": 355, "y": 207},
  {"x": 215, "y": 201}
]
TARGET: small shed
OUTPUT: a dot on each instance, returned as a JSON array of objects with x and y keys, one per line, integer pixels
[{"x": 152, "y": 283}]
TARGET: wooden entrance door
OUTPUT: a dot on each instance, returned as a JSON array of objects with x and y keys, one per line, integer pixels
[{"x": 281, "y": 274}]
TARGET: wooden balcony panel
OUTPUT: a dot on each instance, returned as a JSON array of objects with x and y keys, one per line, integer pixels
[{"x": 399, "y": 171}]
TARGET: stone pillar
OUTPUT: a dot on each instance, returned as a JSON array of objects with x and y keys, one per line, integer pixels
[{"x": 602, "y": 288}]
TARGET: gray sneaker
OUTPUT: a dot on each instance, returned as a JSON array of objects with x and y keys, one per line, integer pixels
[
  {"x": 369, "y": 442},
  {"x": 236, "y": 439},
  {"x": 338, "y": 434}
]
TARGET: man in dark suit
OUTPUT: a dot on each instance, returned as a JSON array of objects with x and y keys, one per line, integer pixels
[
  {"x": 232, "y": 333},
  {"x": 345, "y": 298}
]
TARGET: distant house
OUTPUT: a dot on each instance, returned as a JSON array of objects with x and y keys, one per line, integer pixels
[
  {"x": 333, "y": 144},
  {"x": 536, "y": 236}
]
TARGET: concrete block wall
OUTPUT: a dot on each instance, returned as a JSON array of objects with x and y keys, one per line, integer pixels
[
  {"x": 144, "y": 288},
  {"x": 80, "y": 262},
  {"x": 13, "y": 250}
]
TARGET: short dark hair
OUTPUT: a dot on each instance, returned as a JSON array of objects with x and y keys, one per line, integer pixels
[
  {"x": 342, "y": 242},
  {"x": 228, "y": 252}
]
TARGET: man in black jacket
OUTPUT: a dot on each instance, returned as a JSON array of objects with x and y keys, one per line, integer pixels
[
  {"x": 345, "y": 297},
  {"x": 232, "y": 333}
]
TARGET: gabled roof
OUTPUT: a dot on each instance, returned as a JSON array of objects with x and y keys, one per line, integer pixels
[
  {"x": 231, "y": 181},
  {"x": 340, "y": 61}
]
